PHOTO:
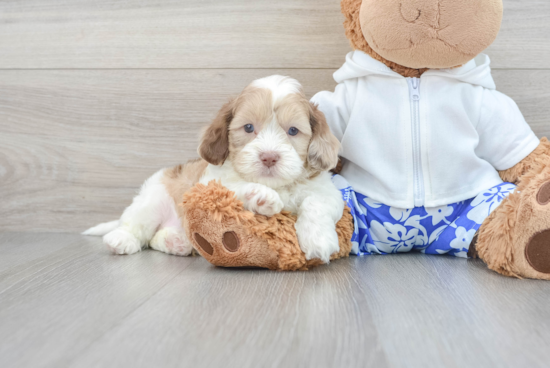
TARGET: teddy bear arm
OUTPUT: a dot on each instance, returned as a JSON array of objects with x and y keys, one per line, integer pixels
[
  {"x": 538, "y": 159},
  {"x": 227, "y": 235}
]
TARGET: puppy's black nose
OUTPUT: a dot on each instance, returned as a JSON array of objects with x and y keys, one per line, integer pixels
[{"x": 269, "y": 159}]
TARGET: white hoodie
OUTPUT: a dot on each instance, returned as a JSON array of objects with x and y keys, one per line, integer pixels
[{"x": 429, "y": 141}]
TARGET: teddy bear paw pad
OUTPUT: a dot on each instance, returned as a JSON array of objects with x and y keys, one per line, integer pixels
[
  {"x": 537, "y": 252},
  {"x": 543, "y": 196},
  {"x": 231, "y": 241},
  {"x": 204, "y": 244}
]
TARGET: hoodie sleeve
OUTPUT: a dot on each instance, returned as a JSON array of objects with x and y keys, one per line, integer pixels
[
  {"x": 505, "y": 138},
  {"x": 335, "y": 106}
]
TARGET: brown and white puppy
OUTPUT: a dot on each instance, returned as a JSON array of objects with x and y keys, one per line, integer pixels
[{"x": 270, "y": 146}]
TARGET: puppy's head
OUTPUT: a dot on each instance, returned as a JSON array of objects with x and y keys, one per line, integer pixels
[{"x": 271, "y": 134}]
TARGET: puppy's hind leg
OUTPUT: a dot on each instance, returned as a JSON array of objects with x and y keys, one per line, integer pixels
[
  {"x": 172, "y": 240},
  {"x": 141, "y": 219},
  {"x": 170, "y": 237}
]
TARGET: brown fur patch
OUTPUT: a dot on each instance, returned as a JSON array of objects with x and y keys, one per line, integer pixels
[
  {"x": 293, "y": 111},
  {"x": 339, "y": 167},
  {"x": 214, "y": 144},
  {"x": 253, "y": 106},
  {"x": 181, "y": 178},
  {"x": 324, "y": 146}
]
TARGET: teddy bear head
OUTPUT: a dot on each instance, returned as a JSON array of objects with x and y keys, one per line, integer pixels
[{"x": 412, "y": 36}]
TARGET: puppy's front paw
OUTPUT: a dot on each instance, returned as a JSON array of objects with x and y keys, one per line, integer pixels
[
  {"x": 263, "y": 200},
  {"x": 317, "y": 241},
  {"x": 121, "y": 241}
]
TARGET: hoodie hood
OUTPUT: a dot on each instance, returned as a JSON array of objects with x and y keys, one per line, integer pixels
[{"x": 358, "y": 64}]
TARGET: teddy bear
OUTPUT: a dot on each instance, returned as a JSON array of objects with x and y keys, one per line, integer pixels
[
  {"x": 434, "y": 159},
  {"x": 229, "y": 236}
]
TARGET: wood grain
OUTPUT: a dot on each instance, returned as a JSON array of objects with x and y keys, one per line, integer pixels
[
  {"x": 249, "y": 319},
  {"x": 77, "y": 144},
  {"x": 172, "y": 34},
  {"x": 459, "y": 312},
  {"x": 66, "y": 302},
  {"x": 524, "y": 38},
  {"x": 68, "y": 293},
  {"x": 214, "y": 34}
]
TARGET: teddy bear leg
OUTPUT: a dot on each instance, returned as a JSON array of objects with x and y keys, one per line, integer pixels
[
  {"x": 228, "y": 236},
  {"x": 515, "y": 238},
  {"x": 228, "y": 243}
]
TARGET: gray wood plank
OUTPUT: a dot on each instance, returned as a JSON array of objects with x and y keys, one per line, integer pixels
[
  {"x": 531, "y": 91},
  {"x": 212, "y": 317},
  {"x": 213, "y": 34},
  {"x": 524, "y": 38},
  {"x": 171, "y": 34},
  {"x": 72, "y": 304},
  {"x": 445, "y": 312},
  {"x": 53, "y": 306},
  {"x": 77, "y": 144}
]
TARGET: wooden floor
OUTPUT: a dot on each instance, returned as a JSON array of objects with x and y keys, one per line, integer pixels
[{"x": 66, "y": 302}]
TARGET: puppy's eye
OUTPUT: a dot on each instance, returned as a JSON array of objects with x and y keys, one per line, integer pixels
[
  {"x": 249, "y": 128},
  {"x": 293, "y": 131}
]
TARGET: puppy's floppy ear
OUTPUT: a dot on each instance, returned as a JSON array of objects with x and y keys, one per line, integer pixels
[
  {"x": 214, "y": 145},
  {"x": 324, "y": 146}
]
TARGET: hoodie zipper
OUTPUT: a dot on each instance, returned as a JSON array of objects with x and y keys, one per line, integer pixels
[{"x": 418, "y": 185}]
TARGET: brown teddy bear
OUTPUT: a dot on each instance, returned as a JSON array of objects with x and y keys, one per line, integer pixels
[
  {"x": 436, "y": 137},
  {"x": 228, "y": 236}
]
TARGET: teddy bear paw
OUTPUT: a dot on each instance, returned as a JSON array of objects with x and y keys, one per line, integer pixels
[
  {"x": 230, "y": 241},
  {"x": 537, "y": 250}
]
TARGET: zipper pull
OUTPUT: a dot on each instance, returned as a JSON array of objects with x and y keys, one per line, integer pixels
[{"x": 415, "y": 88}]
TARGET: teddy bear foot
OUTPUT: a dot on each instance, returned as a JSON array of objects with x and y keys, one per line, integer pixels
[
  {"x": 515, "y": 239},
  {"x": 220, "y": 229},
  {"x": 537, "y": 251},
  {"x": 229, "y": 244},
  {"x": 229, "y": 236}
]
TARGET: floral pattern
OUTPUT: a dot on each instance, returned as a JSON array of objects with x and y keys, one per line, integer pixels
[
  {"x": 486, "y": 202},
  {"x": 449, "y": 229}
]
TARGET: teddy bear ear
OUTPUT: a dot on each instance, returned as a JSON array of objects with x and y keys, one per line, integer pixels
[
  {"x": 214, "y": 144},
  {"x": 351, "y": 9},
  {"x": 324, "y": 146}
]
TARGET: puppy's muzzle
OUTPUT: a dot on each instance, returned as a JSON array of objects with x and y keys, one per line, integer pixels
[{"x": 269, "y": 159}]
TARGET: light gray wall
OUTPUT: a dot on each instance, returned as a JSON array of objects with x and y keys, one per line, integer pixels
[{"x": 95, "y": 96}]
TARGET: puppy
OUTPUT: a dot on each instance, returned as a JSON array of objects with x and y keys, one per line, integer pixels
[{"x": 270, "y": 146}]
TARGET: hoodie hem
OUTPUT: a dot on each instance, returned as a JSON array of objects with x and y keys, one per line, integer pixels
[{"x": 387, "y": 199}]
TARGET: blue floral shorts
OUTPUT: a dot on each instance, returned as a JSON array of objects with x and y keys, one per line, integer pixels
[{"x": 449, "y": 229}]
